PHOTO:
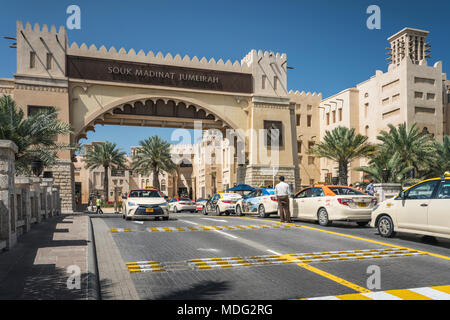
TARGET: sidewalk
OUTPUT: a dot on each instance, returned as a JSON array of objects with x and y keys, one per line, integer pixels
[{"x": 36, "y": 268}]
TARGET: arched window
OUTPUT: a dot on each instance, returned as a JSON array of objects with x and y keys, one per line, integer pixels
[
  {"x": 367, "y": 131},
  {"x": 163, "y": 185}
]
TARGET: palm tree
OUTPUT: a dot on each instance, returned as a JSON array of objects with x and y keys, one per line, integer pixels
[
  {"x": 35, "y": 136},
  {"x": 382, "y": 161},
  {"x": 441, "y": 163},
  {"x": 106, "y": 155},
  {"x": 413, "y": 148},
  {"x": 153, "y": 157},
  {"x": 343, "y": 145}
]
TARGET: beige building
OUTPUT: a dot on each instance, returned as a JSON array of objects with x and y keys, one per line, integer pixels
[{"x": 409, "y": 92}]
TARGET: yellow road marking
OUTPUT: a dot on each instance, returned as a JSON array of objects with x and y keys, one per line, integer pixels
[
  {"x": 353, "y": 296},
  {"x": 407, "y": 295},
  {"x": 359, "y": 238},
  {"x": 445, "y": 289}
]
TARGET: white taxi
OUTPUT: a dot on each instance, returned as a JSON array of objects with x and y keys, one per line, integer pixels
[
  {"x": 144, "y": 204},
  {"x": 421, "y": 209},
  {"x": 326, "y": 203},
  {"x": 221, "y": 203},
  {"x": 261, "y": 201}
]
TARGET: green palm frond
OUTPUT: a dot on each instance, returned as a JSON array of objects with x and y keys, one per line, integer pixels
[{"x": 35, "y": 136}]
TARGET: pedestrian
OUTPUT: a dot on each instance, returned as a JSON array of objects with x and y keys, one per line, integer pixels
[
  {"x": 358, "y": 186},
  {"x": 370, "y": 189},
  {"x": 282, "y": 192},
  {"x": 99, "y": 206}
]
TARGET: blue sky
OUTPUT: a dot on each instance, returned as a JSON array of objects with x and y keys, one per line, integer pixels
[{"x": 326, "y": 41}]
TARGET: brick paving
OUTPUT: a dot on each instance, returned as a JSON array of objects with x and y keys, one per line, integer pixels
[
  {"x": 115, "y": 279},
  {"x": 36, "y": 268}
]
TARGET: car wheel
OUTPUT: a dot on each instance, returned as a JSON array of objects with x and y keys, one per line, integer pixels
[
  {"x": 175, "y": 210},
  {"x": 123, "y": 216},
  {"x": 262, "y": 211},
  {"x": 127, "y": 218},
  {"x": 218, "y": 211},
  {"x": 362, "y": 223},
  {"x": 386, "y": 227},
  {"x": 239, "y": 211},
  {"x": 165, "y": 218},
  {"x": 227, "y": 213},
  {"x": 322, "y": 217},
  {"x": 204, "y": 211}
]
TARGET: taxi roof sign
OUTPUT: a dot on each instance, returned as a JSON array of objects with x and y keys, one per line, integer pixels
[{"x": 446, "y": 174}]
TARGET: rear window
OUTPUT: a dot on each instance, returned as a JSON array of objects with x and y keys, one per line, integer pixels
[
  {"x": 343, "y": 191},
  {"x": 144, "y": 194},
  {"x": 230, "y": 195}
]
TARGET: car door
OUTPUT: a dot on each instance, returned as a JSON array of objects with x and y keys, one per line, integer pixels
[
  {"x": 255, "y": 201},
  {"x": 412, "y": 210},
  {"x": 298, "y": 203},
  {"x": 439, "y": 210},
  {"x": 214, "y": 202},
  {"x": 315, "y": 200}
]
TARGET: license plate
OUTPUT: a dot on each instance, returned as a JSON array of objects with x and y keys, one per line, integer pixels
[
  {"x": 149, "y": 210},
  {"x": 362, "y": 205}
]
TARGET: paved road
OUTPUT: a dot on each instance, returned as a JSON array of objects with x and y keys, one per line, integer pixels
[{"x": 192, "y": 256}]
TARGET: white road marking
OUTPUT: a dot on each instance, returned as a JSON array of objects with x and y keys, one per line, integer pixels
[
  {"x": 325, "y": 298},
  {"x": 189, "y": 222},
  {"x": 432, "y": 293},
  {"x": 212, "y": 219},
  {"x": 139, "y": 222},
  {"x": 274, "y": 252},
  {"x": 227, "y": 234},
  {"x": 208, "y": 249},
  {"x": 380, "y": 296}
]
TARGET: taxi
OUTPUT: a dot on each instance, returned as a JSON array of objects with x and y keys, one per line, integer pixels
[
  {"x": 423, "y": 208},
  {"x": 328, "y": 203},
  {"x": 221, "y": 203},
  {"x": 146, "y": 203},
  {"x": 261, "y": 201},
  {"x": 179, "y": 204}
]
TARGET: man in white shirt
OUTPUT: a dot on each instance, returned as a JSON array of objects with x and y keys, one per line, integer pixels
[{"x": 282, "y": 191}]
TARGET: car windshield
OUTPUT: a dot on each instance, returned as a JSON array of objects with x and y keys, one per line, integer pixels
[
  {"x": 185, "y": 199},
  {"x": 144, "y": 194},
  {"x": 344, "y": 191}
]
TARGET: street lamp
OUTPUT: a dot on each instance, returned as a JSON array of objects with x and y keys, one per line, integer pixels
[{"x": 37, "y": 166}]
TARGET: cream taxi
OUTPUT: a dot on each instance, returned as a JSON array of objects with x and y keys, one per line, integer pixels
[
  {"x": 421, "y": 209},
  {"x": 326, "y": 203}
]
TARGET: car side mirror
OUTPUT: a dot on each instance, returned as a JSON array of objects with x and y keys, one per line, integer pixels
[
  {"x": 124, "y": 196},
  {"x": 166, "y": 197}
]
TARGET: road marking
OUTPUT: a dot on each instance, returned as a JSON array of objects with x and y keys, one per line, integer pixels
[
  {"x": 226, "y": 234},
  {"x": 214, "y": 219},
  {"x": 274, "y": 252},
  {"x": 189, "y": 222},
  {"x": 353, "y": 237},
  {"x": 425, "y": 293},
  {"x": 138, "y": 222},
  {"x": 198, "y": 228}
]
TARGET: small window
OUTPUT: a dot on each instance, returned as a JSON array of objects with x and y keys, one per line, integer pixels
[
  {"x": 418, "y": 95},
  {"x": 430, "y": 96},
  {"x": 311, "y": 160},
  {"x": 299, "y": 146},
  {"x": 328, "y": 118},
  {"x": 263, "y": 83},
  {"x": 275, "y": 82},
  {"x": 309, "y": 121},
  {"x": 298, "y": 119},
  {"x": 340, "y": 114},
  {"x": 334, "y": 116},
  {"x": 32, "y": 59},
  {"x": 49, "y": 61}
]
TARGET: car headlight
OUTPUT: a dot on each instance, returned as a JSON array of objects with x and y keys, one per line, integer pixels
[
  {"x": 164, "y": 204},
  {"x": 132, "y": 204},
  {"x": 375, "y": 207}
]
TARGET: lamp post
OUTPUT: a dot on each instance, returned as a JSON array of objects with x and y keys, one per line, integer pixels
[{"x": 37, "y": 166}]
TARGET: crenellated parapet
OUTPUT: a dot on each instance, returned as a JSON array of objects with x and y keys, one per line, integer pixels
[
  {"x": 158, "y": 58},
  {"x": 41, "y": 51},
  {"x": 269, "y": 71}
]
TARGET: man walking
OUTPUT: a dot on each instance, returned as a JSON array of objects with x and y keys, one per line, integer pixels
[
  {"x": 282, "y": 191},
  {"x": 370, "y": 189},
  {"x": 99, "y": 206}
]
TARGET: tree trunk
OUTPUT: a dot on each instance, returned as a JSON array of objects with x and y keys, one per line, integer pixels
[
  {"x": 156, "y": 179},
  {"x": 105, "y": 183},
  {"x": 343, "y": 172}
]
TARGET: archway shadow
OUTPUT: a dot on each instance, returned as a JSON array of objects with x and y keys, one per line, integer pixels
[{"x": 200, "y": 291}]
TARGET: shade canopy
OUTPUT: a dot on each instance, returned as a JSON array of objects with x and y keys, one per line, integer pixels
[{"x": 241, "y": 187}]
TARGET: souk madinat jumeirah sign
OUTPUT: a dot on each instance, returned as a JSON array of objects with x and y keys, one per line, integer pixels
[{"x": 153, "y": 74}]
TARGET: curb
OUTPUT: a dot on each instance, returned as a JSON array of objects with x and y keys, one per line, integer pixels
[{"x": 93, "y": 281}]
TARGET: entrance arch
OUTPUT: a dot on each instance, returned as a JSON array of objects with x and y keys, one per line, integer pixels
[{"x": 155, "y": 111}]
